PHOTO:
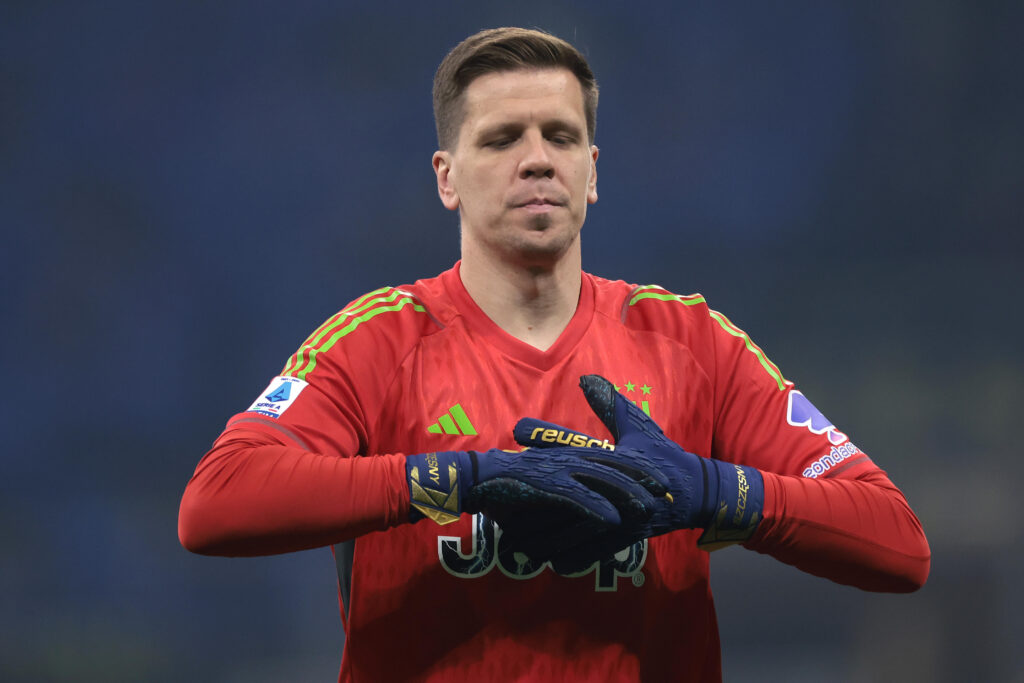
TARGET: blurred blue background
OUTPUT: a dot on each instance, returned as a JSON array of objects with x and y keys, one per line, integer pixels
[{"x": 188, "y": 188}]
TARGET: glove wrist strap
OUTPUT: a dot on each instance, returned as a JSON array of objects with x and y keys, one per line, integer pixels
[
  {"x": 435, "y": 480},
  {"x": 740, "y": 502}
]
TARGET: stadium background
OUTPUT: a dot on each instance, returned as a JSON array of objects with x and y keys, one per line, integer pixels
[{"x": 188, "y": 188}]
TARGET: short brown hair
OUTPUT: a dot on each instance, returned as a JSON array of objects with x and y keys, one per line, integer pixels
[{"x": 504, "y": 49}]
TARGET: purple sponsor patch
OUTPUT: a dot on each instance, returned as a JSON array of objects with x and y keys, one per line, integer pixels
[{"x": 802, "y": 413}]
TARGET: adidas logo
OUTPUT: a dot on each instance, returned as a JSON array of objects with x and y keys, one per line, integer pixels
[{"x": 453, "y": 422}]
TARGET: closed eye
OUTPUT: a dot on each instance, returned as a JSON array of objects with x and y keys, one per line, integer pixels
[
  {"x": 500, "y": 143},
  {"x": 563, "y": 133}
]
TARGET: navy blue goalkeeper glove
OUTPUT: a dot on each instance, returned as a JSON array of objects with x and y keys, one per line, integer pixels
[
  {"x": 687, "y": 491},
  {"x": 525, "y": 492}
]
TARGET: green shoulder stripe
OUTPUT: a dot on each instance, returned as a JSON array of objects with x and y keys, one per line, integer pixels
[
  {"x": 358, "y": 312},
  {"x": 769, "y": 366},
  {"x": 656, "y": 292},
  {"x": 660, "y": 294},
  {"x": 361, "y": 300},
  {"x": 318, "y": 332}
]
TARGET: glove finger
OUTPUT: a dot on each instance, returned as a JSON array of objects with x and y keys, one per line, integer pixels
[
  {"x": 504, "y": 499},
  {"x": 637, "y": 467},
  {"x": 620, "y": 415},
  {"x": 631, "y": 508},
  {"x": 534, "y": 433},
  {"x": 629, "y": 486},
  {"x": 519, "y": 477},
  {"x": 595, "y": 477}
]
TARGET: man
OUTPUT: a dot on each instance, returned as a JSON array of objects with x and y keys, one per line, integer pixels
[{"x": 597, "y": 567}]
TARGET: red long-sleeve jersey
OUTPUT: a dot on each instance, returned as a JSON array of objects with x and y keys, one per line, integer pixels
[{"x": 318, "y": 460}]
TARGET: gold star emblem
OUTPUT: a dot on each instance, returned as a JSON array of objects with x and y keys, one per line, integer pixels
[
  {"x": 630, "y": 386},
  {"x": 646, "y": 389}
]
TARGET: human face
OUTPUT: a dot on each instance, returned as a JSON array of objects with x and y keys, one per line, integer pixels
[{"x": 522, "y": 172}]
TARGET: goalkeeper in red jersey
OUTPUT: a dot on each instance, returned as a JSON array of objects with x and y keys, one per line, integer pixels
[{"x": 571, "y": 545}]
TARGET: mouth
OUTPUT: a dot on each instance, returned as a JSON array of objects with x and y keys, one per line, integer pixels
[{"x": 539, "y": 204}]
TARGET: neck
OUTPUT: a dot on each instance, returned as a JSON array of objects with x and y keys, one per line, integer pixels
[{"x": 532, "y": 302}]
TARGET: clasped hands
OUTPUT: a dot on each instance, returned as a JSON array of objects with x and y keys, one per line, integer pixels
[{"x": 573, "y": 499}]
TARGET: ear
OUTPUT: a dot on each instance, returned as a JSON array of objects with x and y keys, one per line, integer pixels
[
  {"x": 592, "y": 183},
  {"x": 442, "y": 162}
]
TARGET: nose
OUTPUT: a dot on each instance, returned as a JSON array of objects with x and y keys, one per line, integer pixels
[{"x": 536, "y": 162}]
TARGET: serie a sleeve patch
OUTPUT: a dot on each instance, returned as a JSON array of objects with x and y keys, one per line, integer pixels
[{"x": 278, "y": 396}]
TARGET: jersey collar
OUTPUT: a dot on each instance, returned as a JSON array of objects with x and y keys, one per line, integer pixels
[{"x": 479, "y": 325}]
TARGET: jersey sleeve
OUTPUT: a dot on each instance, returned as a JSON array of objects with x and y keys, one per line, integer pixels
[
  {"x": 828, "y": 509},
  {"x": 292, "y": 471}
]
